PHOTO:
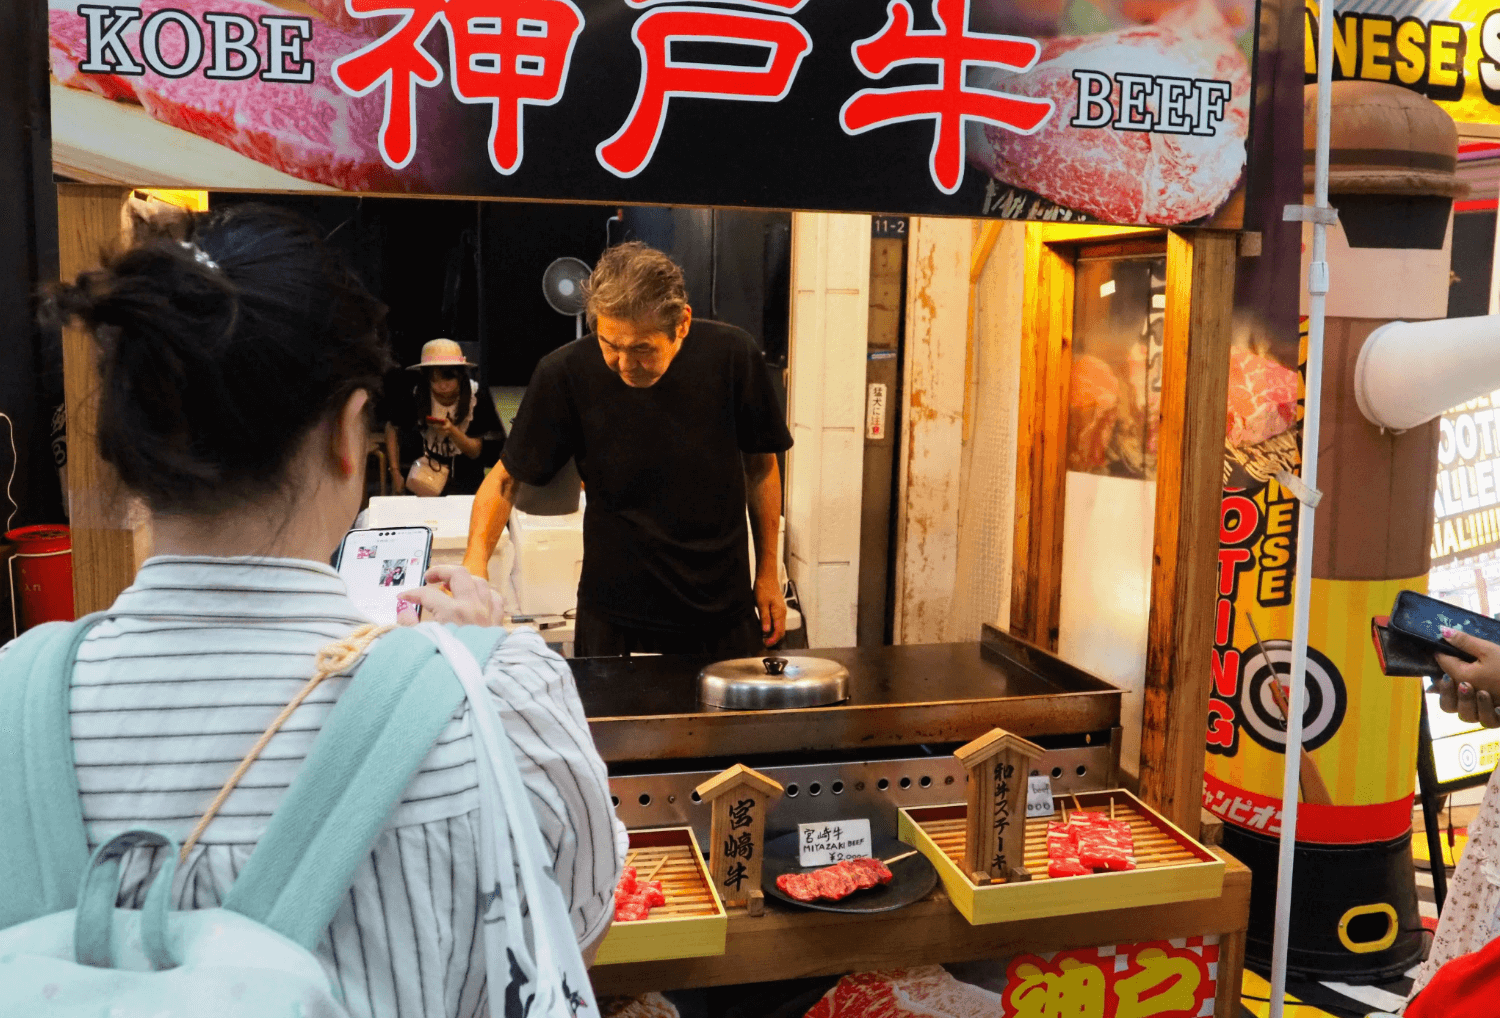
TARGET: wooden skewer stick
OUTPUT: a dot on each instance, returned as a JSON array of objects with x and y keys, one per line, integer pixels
[
  {"x": 897, "y": 858},
  {"x": 1111, "y": 807},
  {"x": 1076, "y": 805},
  {"x": 630, "y": 859},
  {"x": 657, "y": 870}
]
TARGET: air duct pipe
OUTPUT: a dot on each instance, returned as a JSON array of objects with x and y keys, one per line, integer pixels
[{"x": 1408, "y": 373}]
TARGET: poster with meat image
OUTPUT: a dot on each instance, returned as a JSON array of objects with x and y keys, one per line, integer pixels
[
  {"x": 1114, "y": 395},
  {"x": 1120, "y": 111}
]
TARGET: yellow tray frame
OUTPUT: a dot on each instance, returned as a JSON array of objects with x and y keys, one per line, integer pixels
[
  {"x": 669, "y": 937},
  {"x": 1199, "y": 874}
]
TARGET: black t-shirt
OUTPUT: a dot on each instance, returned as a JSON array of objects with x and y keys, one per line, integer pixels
[{"x": 664, "y": 537}]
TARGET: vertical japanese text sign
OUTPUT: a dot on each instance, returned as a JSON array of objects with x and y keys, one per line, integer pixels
[
  {"x": 738, "y": 799},
  {"x": 995, "y": 833}
]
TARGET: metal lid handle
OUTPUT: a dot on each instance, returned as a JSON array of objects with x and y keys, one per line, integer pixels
[{"x": 774, "y": 665}]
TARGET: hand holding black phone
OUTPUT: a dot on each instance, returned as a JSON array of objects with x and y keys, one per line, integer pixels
[{"x": 1424, "y": 618}]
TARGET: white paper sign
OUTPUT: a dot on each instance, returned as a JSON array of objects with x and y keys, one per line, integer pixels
[
  {"x": 1039, "y": 796},
  {"x": 832, "y": 841},
  {"x": 875, "y": 412}
]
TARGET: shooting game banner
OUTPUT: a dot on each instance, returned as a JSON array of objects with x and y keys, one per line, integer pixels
[
  {"x": 1447, "y": 50},
  {"x": 1466, "y": 501},
  {"x": 1357, "y": 771},
  {"x": 1120, "y": 111}
]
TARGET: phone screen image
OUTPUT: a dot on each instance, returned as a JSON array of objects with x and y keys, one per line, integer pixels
[{"x": 378, "y": 565}]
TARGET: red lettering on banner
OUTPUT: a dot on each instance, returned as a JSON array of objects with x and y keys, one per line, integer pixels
[
  {"x": 630, "y": 149},
  {"x": 1226, "y": 668},
  {"x": 1225, "y": 616},
  {"x": 1246, "y": 517},
  {"x": 508, "y": 54},
  {"x": 952, "y": 47},
  {"x": 1230, "y": 559},
  {"x": 400, "y": 63},
  {"x": 1221, "y": 731}
]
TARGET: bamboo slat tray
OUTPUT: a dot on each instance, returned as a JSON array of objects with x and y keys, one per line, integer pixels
[
  {"x": 692, "y": 924},
  {"x": 1170, "y": 866}
]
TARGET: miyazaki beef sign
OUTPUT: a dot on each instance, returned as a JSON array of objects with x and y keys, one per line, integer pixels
[{"x": 1123, "y": 111}]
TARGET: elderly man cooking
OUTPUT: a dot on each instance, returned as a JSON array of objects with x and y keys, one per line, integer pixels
[{"x": 675, "y": 429}]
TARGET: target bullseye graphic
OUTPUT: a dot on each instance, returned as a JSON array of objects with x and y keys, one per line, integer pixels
[{"x": 1327, "y": 698}]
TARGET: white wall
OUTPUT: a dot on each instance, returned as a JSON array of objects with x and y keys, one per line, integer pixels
[
  {"x": 1106, "y": 589},
  {"x": 825, "y": 407}
]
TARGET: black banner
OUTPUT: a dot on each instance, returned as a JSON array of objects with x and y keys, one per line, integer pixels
[{"x": 1109, "y": 110}]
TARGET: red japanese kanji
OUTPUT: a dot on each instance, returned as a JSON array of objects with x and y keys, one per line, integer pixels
[
  {"x": 951, "y": 45},
  {"x": 397, "y": 61},
  {"x": 506, "y": 53},
  {"x": 520, "y": 59},
  {"x": 628, "y": 151}
]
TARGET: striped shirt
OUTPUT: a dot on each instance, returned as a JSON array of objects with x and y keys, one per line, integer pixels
[{"x": 198, "y": 657}]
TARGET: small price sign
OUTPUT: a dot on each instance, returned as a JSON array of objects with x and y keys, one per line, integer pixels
[
  {"x": 1039, "y": 796},
  {"x": 832, "y": 841}
]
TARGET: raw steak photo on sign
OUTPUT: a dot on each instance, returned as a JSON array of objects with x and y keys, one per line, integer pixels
[
  {"x": 1262, "y": 398},
  {"x": 1116, "y": 175},
  {"x": 311, "y": 130}
]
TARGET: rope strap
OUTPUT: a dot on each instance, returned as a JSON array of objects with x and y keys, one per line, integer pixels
[{"x": 331, "y": 660}]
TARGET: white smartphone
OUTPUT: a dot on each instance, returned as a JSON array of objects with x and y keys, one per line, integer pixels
[{"x": 377, "y": 565}]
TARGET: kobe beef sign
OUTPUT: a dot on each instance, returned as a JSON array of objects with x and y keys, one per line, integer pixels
[{"x": 1071, "y": 112}]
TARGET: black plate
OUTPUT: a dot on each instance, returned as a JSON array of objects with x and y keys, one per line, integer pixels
[{"x": 911, "y": 879}]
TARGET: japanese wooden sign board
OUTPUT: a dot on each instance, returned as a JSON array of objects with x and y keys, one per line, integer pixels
[
  {"x": 916, "y": 107},
  {"x": 999, "y": 764},
  {"x": 738, "y": 798}
]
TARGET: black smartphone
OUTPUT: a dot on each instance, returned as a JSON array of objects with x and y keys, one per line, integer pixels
[{"x": 1423, "y": 619}]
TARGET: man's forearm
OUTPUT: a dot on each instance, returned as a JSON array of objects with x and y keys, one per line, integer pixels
[
  {"x": 492, "y": 505},
  {"x": 764, "y": 496}
]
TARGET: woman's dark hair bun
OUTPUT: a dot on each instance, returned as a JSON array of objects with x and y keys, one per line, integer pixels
[{"x": 223, "y": 339}]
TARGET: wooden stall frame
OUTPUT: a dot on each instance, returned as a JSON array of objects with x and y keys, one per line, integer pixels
[
  {"x": 109, "y": 546},
  {"x": 110, "y": 541},
  {"x": 1189, "y": 483}
]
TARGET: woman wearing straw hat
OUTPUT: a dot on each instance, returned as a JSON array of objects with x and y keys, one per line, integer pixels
[{"x": 449, "y": 432}]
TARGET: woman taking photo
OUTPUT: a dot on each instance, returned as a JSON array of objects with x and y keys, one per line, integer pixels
[
  {"x": 448, "y": 432},
  {"x": 238, "y": 362}
]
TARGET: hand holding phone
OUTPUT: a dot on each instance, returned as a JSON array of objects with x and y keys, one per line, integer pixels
[
  {"x": 380, "y": 565},
  {"x": 1425, "y": 618},
  {"x": 455, "y": 595}
]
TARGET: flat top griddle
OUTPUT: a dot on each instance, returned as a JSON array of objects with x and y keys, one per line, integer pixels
[
  {"x": 646, "y": 708},
  {"x": 878, "y": 677}
]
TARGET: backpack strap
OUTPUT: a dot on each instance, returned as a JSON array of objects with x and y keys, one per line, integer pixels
[
  {"x": 375, "y": 739},
  {"x": 43, "y": 847}
]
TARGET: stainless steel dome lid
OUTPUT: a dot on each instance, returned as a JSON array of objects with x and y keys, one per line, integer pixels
[{"x": 773, "y": 683}]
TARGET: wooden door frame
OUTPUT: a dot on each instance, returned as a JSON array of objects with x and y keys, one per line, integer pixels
[
  {"x": 110, "y": 536},
  {"x": 1197, "y": 334}
]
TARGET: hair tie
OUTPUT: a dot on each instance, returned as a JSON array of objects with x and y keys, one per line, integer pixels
[{"x": 199, "y": 255}]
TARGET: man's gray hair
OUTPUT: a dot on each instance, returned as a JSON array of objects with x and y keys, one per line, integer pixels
[{"x": 637, "y": 284}]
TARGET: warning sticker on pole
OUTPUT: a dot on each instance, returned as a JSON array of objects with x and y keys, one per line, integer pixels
[{"x": 875, "y": 412}]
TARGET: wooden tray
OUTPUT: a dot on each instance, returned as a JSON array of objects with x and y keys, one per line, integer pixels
[
  {"x": 1170, "y": 865},
  {"x": 692, "y": 924}
]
